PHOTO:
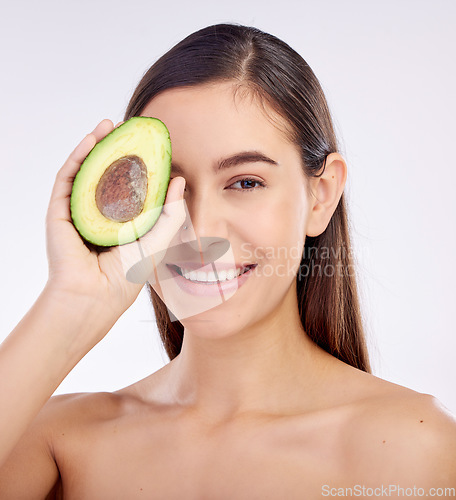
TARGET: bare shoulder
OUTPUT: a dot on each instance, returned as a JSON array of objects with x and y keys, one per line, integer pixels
[
  {"x": 80, "y": 406},
  {"x": 32, "y": 470},
  {"x": 86, "y": 409},
  {"x": 60, "y": 413},
  {"x": 81, "y": 410},
  {"x": 404, "y": 435}
]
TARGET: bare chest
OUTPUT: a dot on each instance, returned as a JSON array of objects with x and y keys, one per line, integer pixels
[{"x": 166, "y": 462}]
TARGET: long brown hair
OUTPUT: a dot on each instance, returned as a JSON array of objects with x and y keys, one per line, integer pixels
[{"x": 326, "y": 284}]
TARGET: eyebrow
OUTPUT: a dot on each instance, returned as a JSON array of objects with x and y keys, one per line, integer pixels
[{"x": 234, "y": 160}]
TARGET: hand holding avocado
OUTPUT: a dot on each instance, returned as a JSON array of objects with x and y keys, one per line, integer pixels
[
  {"x": 74, "y": 268},
  {"x": 120, "y": 188},
  {"x": 87, "y": 289}
]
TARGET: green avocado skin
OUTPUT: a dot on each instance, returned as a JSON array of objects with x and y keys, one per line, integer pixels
[{"x": 145, "y": 137}]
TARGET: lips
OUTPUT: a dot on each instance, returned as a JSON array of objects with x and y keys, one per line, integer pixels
[{"x": 220, "y": 288}]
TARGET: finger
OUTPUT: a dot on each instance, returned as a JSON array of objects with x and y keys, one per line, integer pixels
[
  {"x": 142, "y": 256},
  {"x": 173, "y": 214},
  {"x": 170, "y": 220},
  {"x": 103, "y": 129},
  {"x": 74, "y": 161},
  {"x": 59, "y": 205},
  {"x": 157, "y": 240},
  {"x": 175, "y": 193}
]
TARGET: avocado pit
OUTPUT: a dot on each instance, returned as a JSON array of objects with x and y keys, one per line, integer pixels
[{"x": 122, "y": 189}]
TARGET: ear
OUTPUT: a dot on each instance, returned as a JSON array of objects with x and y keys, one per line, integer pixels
[{"x": 325, "y": 193}]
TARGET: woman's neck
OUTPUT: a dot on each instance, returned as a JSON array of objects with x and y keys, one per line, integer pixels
[{"x": 269, "y": 367}]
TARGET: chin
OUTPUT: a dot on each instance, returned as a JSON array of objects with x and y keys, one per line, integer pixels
[{"x": 218, "y": 322}]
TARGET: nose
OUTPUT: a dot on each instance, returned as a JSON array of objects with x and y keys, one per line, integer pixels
[{"x": 204, "y": 230}]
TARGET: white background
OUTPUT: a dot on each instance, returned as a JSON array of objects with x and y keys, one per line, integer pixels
[{"x": 388, "y": 71}]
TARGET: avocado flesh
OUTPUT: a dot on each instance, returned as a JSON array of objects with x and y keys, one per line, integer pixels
[{"x": 147, "y": 140}]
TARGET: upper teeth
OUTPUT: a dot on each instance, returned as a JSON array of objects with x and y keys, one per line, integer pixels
[{"x": 210, "y": 276}]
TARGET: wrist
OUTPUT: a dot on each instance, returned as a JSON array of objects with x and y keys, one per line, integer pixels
[{"x": 78, "y": 321}]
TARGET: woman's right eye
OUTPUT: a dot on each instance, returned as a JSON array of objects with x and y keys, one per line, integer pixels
[{"x": 247, "y": 184}]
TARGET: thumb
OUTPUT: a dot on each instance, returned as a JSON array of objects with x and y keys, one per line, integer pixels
[
  {"x": 172, "y": 216},
  {"x": 140, "y": 257}
]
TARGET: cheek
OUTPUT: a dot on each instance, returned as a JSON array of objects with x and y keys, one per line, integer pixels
[
  {"x": 289, "y": 216},
  {"x": 274, "y": 230}
]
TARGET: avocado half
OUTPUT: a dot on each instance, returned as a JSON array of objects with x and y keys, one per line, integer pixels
[{"x": 119, "y": 191}]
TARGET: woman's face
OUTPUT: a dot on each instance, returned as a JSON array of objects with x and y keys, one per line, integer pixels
[{"x": 245, "y": 186}]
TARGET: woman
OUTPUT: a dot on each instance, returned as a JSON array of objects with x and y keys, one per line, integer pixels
[{"x": 268, "y": 392}]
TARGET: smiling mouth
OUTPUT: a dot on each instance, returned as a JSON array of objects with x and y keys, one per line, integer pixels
[{"x": 211, "y": 277}]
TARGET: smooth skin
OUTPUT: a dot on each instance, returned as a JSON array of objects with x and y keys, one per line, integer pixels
[{"x": 251, "y": 408}]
